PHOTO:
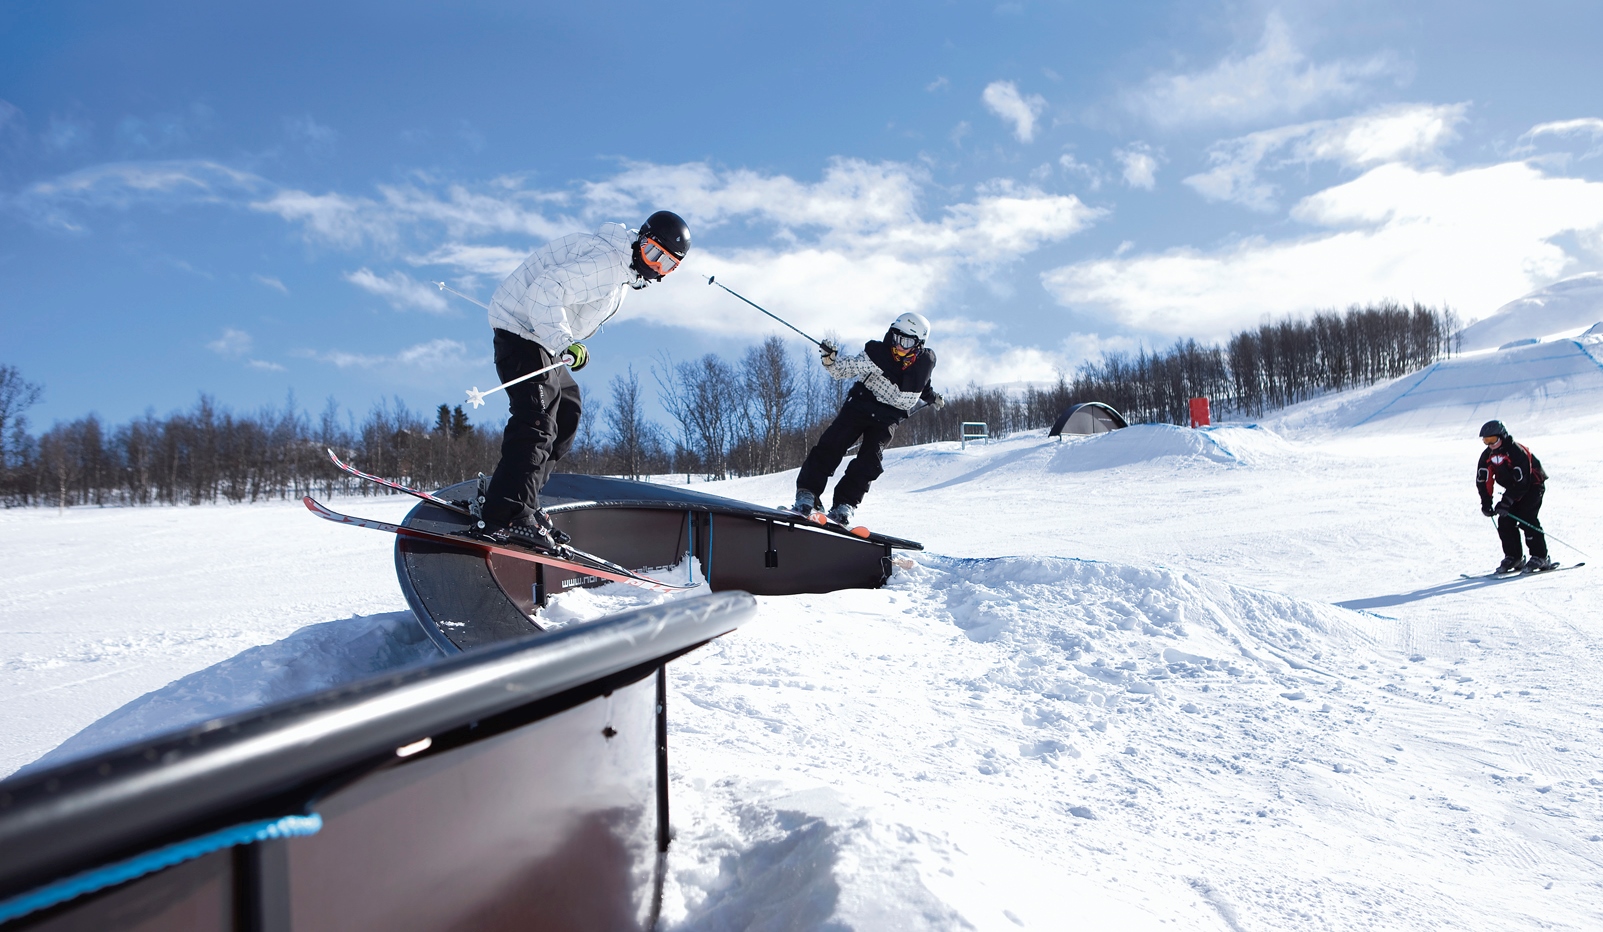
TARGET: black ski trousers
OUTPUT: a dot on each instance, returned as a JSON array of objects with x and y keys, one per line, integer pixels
[
  {"x": 851, "y": 424},
  {"x": 1509, "y": 530},
  {"x": 545, "y": 417}
]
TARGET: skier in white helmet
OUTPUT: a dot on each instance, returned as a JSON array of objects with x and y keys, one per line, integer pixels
[
  {"x": 559, "y": 296},
  {"x": 893, "y": 377}
]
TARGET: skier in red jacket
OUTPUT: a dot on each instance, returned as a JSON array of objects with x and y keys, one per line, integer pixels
[{"x": 1514, "y": 467}]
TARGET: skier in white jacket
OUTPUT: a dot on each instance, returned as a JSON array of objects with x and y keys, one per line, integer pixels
[{"x": 557, "y": 298}]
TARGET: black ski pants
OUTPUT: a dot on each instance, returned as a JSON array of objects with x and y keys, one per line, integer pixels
[
  {"x": 1509, "y": 530},
  {"x": 851, "y": 424},
  {"x": 540, "y": 431}
]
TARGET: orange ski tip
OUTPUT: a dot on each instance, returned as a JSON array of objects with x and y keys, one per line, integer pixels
[{"x": 860, "y": 531}]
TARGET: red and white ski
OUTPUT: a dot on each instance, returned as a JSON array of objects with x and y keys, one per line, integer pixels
[
  {"x": 581, "y": 562},
  {"x": 429, "y": 497}
]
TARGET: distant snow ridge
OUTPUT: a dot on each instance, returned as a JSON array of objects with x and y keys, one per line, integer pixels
[
  {"x": 1561, "y": 307},
  {"x": 1141, "y": 443},
  {"x": 1541, "y": 382}
]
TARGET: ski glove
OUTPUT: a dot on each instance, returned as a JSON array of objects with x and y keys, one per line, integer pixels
[
  {"x": 580, "y": 357},
  {"x": 1488, "y": 511},
  {"x": 827, "y": 351},
  {"x": 937, "y": 401},
  {"x": 1501, "y": 509}
]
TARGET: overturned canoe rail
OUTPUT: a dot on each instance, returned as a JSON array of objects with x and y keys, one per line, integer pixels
[
  {"x": 465, "y": 600},
  {"x": 522, "y": 786}
]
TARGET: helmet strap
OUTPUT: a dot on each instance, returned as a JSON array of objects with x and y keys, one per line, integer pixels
[{"x": 638, "y": 263}]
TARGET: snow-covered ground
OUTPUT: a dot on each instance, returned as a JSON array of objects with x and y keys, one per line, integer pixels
[{"x": 1160, "y": 678}]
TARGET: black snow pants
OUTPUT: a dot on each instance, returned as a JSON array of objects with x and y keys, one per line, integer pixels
[
  {"x": 852, "y": 423},
  {"x": 1508, "y": 530},
  {"x": 545, "y": 417}
]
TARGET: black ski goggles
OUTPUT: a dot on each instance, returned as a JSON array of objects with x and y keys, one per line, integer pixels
[
  {"x": 904, "y": 340},
  {"x": 661, "y": 260}
]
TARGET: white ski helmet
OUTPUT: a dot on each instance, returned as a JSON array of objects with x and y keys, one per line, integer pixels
[{"x": 916, "y": 326}]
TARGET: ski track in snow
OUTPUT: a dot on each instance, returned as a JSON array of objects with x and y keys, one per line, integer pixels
[{"x": 1117, "y": 691}]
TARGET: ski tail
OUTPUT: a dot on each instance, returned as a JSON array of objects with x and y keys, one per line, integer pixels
[{"x": 429, "y": 497}]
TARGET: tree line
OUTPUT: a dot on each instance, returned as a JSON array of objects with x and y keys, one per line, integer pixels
[
  {"x": 1272, "y": 366},
  {"x": 758, "y": 414}
]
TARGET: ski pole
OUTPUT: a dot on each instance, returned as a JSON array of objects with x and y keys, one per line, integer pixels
[
  {"x": 763, "y": 309},
  {"x": 445, "y": 287},
  {"x": 476, "y": 397},
  {"x": 1545, "y": 534}
]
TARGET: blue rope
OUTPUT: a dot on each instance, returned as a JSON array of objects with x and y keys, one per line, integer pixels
[{"x": 110, "y": 875}]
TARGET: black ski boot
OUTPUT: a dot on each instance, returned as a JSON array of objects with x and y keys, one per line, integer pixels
[
  {"x": 1511, "y": 565},
  {"x": 1539, "y": 564},
  {"x": 527, "y": 536},
  {"x": 543, "y": 519},
  {"x": 806, "y": 503}
]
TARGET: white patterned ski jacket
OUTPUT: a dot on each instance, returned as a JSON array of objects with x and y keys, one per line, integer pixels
[{"x": 568, "y": 288}]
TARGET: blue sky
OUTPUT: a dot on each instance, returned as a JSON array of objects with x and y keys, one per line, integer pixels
[{"x": 247, "y": 200}]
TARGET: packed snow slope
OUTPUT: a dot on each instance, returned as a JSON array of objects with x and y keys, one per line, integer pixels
[
  {"x": 1574, "y": 303},
  {"x": 1160, "y": 678},
  {"x": 1545, "y": 384}
]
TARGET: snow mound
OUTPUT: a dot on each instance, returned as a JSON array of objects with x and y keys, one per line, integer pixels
[
  {"x": 1546, "y": 383},
  {"x": 1561, "y": 307},
  {"x": 991, "y": 699},
  {"x": 312, "y": 659},
  {"x": 1144, "y": 443}
]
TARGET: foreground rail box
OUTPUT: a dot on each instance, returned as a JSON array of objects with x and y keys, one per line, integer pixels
[{"x": 522, "y": 786}]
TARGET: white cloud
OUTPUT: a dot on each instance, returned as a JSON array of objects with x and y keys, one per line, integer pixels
[
  {"x": 1275, "y": 80},
  {"x": 1090, "y": 173},
  {"x": 1589, "y": 126},
  {"x": 1473, "y": 239},
  {"x": 1401, "y": 132},
  {"x": 1003, "y": 99},
  {"x": 271, "y": 282},
  {"x": 846, "y": 251},
  {"x": 235, "y": 344},
  {"x": 496, "y": 261},
  {"x": 231, "y": 343},
  {"x": 939, "y": 84},
  {"x": 400, "y": 290},
  {"x": 121, "y": 185},
  {"x": 862, "y": 237},
  {"x": 1140, "y": 165},
  {"x": 435, "y": 354}
]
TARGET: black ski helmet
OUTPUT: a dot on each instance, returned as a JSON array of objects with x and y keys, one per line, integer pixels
[
  {"x": 1494, "y": 429},
  {"x": 668, "y": 230}
]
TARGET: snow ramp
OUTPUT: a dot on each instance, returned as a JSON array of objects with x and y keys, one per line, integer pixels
[
  {"x": 996, "y": 727},
  {"x": 1548, "y": 382},
  {"x": 1567, "y": 305}
]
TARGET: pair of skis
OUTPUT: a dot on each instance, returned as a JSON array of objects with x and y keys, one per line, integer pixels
[
  {"x": 1494, "y": 574},
  {"x": 572, "y": 559},
  {"x": 821, "y": 518}
]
